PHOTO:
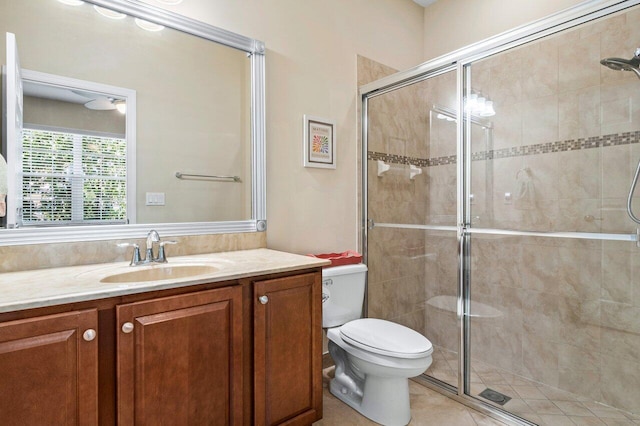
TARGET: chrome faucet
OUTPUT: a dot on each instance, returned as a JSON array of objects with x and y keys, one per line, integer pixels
[{"x": 152, "y": 237}]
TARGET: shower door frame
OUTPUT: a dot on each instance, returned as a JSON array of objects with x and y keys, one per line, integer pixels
[{"x": 461, "y": 61}]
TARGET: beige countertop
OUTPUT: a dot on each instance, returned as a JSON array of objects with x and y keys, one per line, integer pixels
[{"x": 55, "y": 286}]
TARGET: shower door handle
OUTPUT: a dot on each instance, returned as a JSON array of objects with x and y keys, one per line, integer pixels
[{"x": 463, "y": 234}]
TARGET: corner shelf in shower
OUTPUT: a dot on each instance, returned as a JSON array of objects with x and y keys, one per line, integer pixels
[{"x": 384, "y": 168}]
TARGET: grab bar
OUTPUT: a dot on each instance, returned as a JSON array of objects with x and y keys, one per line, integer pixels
[{"x": 180, "y": 175}]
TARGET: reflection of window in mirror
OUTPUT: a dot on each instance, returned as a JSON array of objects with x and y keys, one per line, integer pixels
[{"x": 72, "y": 158}]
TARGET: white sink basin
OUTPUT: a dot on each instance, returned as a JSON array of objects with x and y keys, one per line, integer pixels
[{"x": 159, "y": 273}]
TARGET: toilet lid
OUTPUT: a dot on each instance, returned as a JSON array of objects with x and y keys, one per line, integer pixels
[{"x": 385, "y": 338}]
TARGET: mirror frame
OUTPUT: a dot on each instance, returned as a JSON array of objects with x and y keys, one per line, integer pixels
[{"x": 255, "y": 49}]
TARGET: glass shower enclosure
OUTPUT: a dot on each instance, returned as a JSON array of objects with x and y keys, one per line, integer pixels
[{"x": 494, "y": 217}]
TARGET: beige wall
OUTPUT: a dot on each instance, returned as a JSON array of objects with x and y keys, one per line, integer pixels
[
  {"x": 452, "y": 24},
  {"x": 311, "y": 69}
]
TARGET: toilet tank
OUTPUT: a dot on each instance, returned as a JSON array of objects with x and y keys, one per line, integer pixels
[{"x": 342, "y": 294}]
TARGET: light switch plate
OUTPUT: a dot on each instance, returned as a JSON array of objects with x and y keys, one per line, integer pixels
[{"x": 155, "y": 198}]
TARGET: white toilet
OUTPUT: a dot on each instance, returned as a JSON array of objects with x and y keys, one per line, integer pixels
[{"x": 374, "y": 358}]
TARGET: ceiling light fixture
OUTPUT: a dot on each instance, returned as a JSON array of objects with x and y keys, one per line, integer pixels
[
  {"x": 149, "y": 26},
  {"x": 478, "y": 105},
  {"x": 108, "y": 13},
  {"x": 71, "y": 2}
]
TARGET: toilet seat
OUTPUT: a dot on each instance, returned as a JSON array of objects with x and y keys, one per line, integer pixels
[{"x": 386, "y": 338}]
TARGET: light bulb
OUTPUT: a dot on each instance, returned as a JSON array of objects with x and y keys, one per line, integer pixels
[
  {"x": 121, "y": 106},
  {"x": 149, "y": 26},
  {"x": 108, "y": 13},
  {"x": 479, "y": 107},
  {"x": 488, "y": 110}
]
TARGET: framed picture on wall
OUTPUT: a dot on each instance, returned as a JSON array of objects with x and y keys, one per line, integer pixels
[{"x": 319, "y": 142}]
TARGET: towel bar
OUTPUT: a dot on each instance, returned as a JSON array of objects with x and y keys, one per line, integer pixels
[{"x": 180, "y": 175}]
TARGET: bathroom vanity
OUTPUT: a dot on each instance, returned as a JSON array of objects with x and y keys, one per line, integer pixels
[{"x": 237, "y": 343}]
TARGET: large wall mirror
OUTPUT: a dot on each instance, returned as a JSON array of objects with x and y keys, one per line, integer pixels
[{"x": 121, "y": 117}]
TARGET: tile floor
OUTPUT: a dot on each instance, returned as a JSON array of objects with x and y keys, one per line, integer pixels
[
  {"x": 531, "y": 400},
  {"x": 428, "y": 408}
]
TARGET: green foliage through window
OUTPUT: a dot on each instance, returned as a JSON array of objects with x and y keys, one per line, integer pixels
[{"x": 71, "y": 178}]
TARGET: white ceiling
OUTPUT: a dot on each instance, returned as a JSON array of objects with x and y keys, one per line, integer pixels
[
  {"x": 425, "y": 3},
  {"x": 91, "y": 100},
  {"x": 63, "y": 94}
]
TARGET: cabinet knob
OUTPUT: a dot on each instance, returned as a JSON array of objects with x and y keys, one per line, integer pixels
[
  {"x": 263, "y": 299},
  {"x": 127, "y": 327},
  {"x": 89, "y": 335}
]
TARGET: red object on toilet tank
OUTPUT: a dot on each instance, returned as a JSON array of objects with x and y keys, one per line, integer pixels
[{"x": 348, "y": 257}]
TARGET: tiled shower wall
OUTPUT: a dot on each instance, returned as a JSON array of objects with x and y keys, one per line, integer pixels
[
  {"x": 396, "y": 127},
  {"x": 570, "y": 308},
  {"x": 407, "y": 267},
  {"x": 560, "y": 156}
]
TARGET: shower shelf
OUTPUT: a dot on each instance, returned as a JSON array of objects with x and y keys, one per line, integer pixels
[{"x": 384, "y": 168}]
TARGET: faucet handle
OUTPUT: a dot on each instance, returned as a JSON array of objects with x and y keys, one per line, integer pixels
[
  {"x": 162, "y": 257},
  {"x": 135, "y": 259}
]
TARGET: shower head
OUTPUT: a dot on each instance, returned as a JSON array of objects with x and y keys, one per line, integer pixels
[{"x": 619, "y": 64}]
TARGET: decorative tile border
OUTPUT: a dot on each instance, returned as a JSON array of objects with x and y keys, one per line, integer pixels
[
  {"x": 401, "y": 159},
  {"x": 519, "y": 151}
]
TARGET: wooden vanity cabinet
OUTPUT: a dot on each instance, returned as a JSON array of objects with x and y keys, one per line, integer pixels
[
  {"x": 245, "y": 352},
  {"x": 49, "y": 370},
  {"x": 288, "y": 350}
]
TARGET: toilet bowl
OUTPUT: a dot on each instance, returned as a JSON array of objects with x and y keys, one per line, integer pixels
[{"x": 374, "y": 358}]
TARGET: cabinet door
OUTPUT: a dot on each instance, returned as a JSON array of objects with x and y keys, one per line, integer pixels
[
  {"x": 49, "y": 370},
  {"x": 288, "y": 350},
  {"x": 179, "y": 359}
]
